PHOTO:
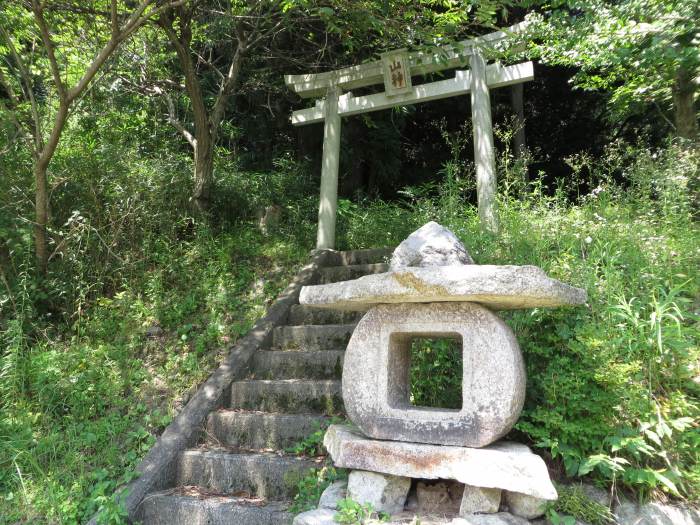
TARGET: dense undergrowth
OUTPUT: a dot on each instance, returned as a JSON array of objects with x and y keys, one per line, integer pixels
[
  {"x": 140, "y": 304},
  {"x": 83, "y": 403},
  {"x": 613, "y": 386},
  {"x": 137, "y": 313}
]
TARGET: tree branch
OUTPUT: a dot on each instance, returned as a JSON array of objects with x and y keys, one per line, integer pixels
[
  {"x": 175, "y": 122},
  {"x": 50, "y": 48},
  {"x": 8, "y": 87},
  {"x": 138, "y": 17},
  {"x": 114, "y": 20},
  {"x": 226, "y": 87},
  {"x": 28, "y": 91}
]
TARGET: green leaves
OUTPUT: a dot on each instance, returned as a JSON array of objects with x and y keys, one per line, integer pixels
[
  {"x": 633, "y": 49},
  {"x": 353, "y": 513}
]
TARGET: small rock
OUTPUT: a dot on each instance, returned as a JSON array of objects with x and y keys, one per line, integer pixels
[
  {"x": 315, "y": 517},
  {"x": 430, "y": 245},
  {"x": 597, "y": 494},
  {"x": 502, "y": 518},
  {"x": 154, "y": 331},
  {"x": 525, "y": 506},
  {"x": 333, "y": 494},
  {"x": 435, "y": 497},
  {"x": 478, "y": 499},
  {"x": 384, "y": 492},
  {"x": 628, "y": 513}
]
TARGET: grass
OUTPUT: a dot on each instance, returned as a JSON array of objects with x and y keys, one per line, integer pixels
[
  {"x": 612, "y": 386},
  {"x": 84, "y": 403}
]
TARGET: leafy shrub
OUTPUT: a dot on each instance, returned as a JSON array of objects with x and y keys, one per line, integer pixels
[
  {"x": 436, "y": 373},
  {"x": 312, "y": 445},
  {"x": 312, "y": 485},
  {"x": 575, "y": 504},
  {"x": 354, "y": 513},
  {"x": 611, "y": 391}
]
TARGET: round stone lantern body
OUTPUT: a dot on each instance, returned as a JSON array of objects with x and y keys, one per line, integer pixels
[{"x": 376, "y": 382}]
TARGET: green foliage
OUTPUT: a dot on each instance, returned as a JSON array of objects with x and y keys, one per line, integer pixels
[
  {"x": 436, "y": 373},
  {"x": 354, "y": 513},
  {"x": 634, "y": 49},
  {"x": 81, "y": 406},
  {"x": 139, "y": 306},
  {"x": 610, "y": 386},
  {"x": 558, "y": 519},
  {"x": 312, "y": 485},
  {"x": 574, "y": 504},
  {"x": 141, "y": 300},
  {"x": 312, "y": 445}
]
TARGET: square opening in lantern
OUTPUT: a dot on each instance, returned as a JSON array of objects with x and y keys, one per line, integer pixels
[{"x": 425, "y": 370}]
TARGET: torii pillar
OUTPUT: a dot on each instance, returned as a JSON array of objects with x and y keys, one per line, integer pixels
[
  {"x": 484, "y": 155},
  {"x": 328, "y": 204}
]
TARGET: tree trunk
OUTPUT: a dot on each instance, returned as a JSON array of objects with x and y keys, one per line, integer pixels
[
  {"x": 41, "y": 203},
  {"x": 41, "y": 199},
  {"x": 684, "y": 105},
  {"x": 516, "y": 101},
  {"x": 203, "y": 171}
]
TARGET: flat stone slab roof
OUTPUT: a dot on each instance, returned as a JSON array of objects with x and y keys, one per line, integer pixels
[
  {"x": 498, "y": 287},
  {"x": 503, "y": 465}
]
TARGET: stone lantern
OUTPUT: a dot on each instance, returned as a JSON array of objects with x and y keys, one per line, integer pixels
[{"x": 434, "y": 290}]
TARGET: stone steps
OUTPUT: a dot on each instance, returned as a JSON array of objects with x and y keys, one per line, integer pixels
[
  {"x": 265, "y": 475},
  {"x": 304, "y": 314},
  {"x": 293, "y": 396},
  {"x": 168, "y": 508},
  {"x": 261, "y": 430},
  {"x": 312, "y": 337},
  {"x": 334, "y": 274},
  {"x": 283, "y": 364},
  {"x": 294, "y": 386}
]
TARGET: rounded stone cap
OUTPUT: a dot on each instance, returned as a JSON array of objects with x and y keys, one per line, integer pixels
[{"x": 498, "y": 287}]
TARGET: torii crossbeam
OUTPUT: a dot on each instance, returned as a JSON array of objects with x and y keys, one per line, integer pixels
[{"x": 395, "y": 70}]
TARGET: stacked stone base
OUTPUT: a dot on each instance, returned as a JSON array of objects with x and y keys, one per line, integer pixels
[{"x": 502, "y": 484}]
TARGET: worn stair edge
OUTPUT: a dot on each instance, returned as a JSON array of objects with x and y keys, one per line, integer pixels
[
  {"x": 334, "y": 274},
  {"x": 261, "y": 430},
  {"x": 173, "y": 509},
  {"x": 288, "y": 395},
  {"x": 157, "y": 470},
  {"x": 266, "y": 475},
  {"x": 313, "y": 337},
  {"x": 283, "y": 364},
  {"x": 304, "y": 314}
]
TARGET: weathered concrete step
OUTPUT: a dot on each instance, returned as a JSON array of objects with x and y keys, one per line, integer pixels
[
  {"x": 303, "y": 314},
  {"x": 288, "y": 395},
  {"x": 333, "y": 274},
  {"x": 367, "y": 256},
  {"x": 313, "y": 337},
  {"x": 265, "y": 475},
  {"x": 172, "y": 509},
  {"x": 260, "y": 430},
  {"x": 283, "y": 364}
]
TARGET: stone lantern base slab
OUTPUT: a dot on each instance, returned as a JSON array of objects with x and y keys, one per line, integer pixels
[
  {"x": 502, "y": 465},
  {"x": 498, "y": 287}
]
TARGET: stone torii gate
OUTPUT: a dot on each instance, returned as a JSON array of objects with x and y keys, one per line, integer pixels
[{"x": 395, "y": 70}]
